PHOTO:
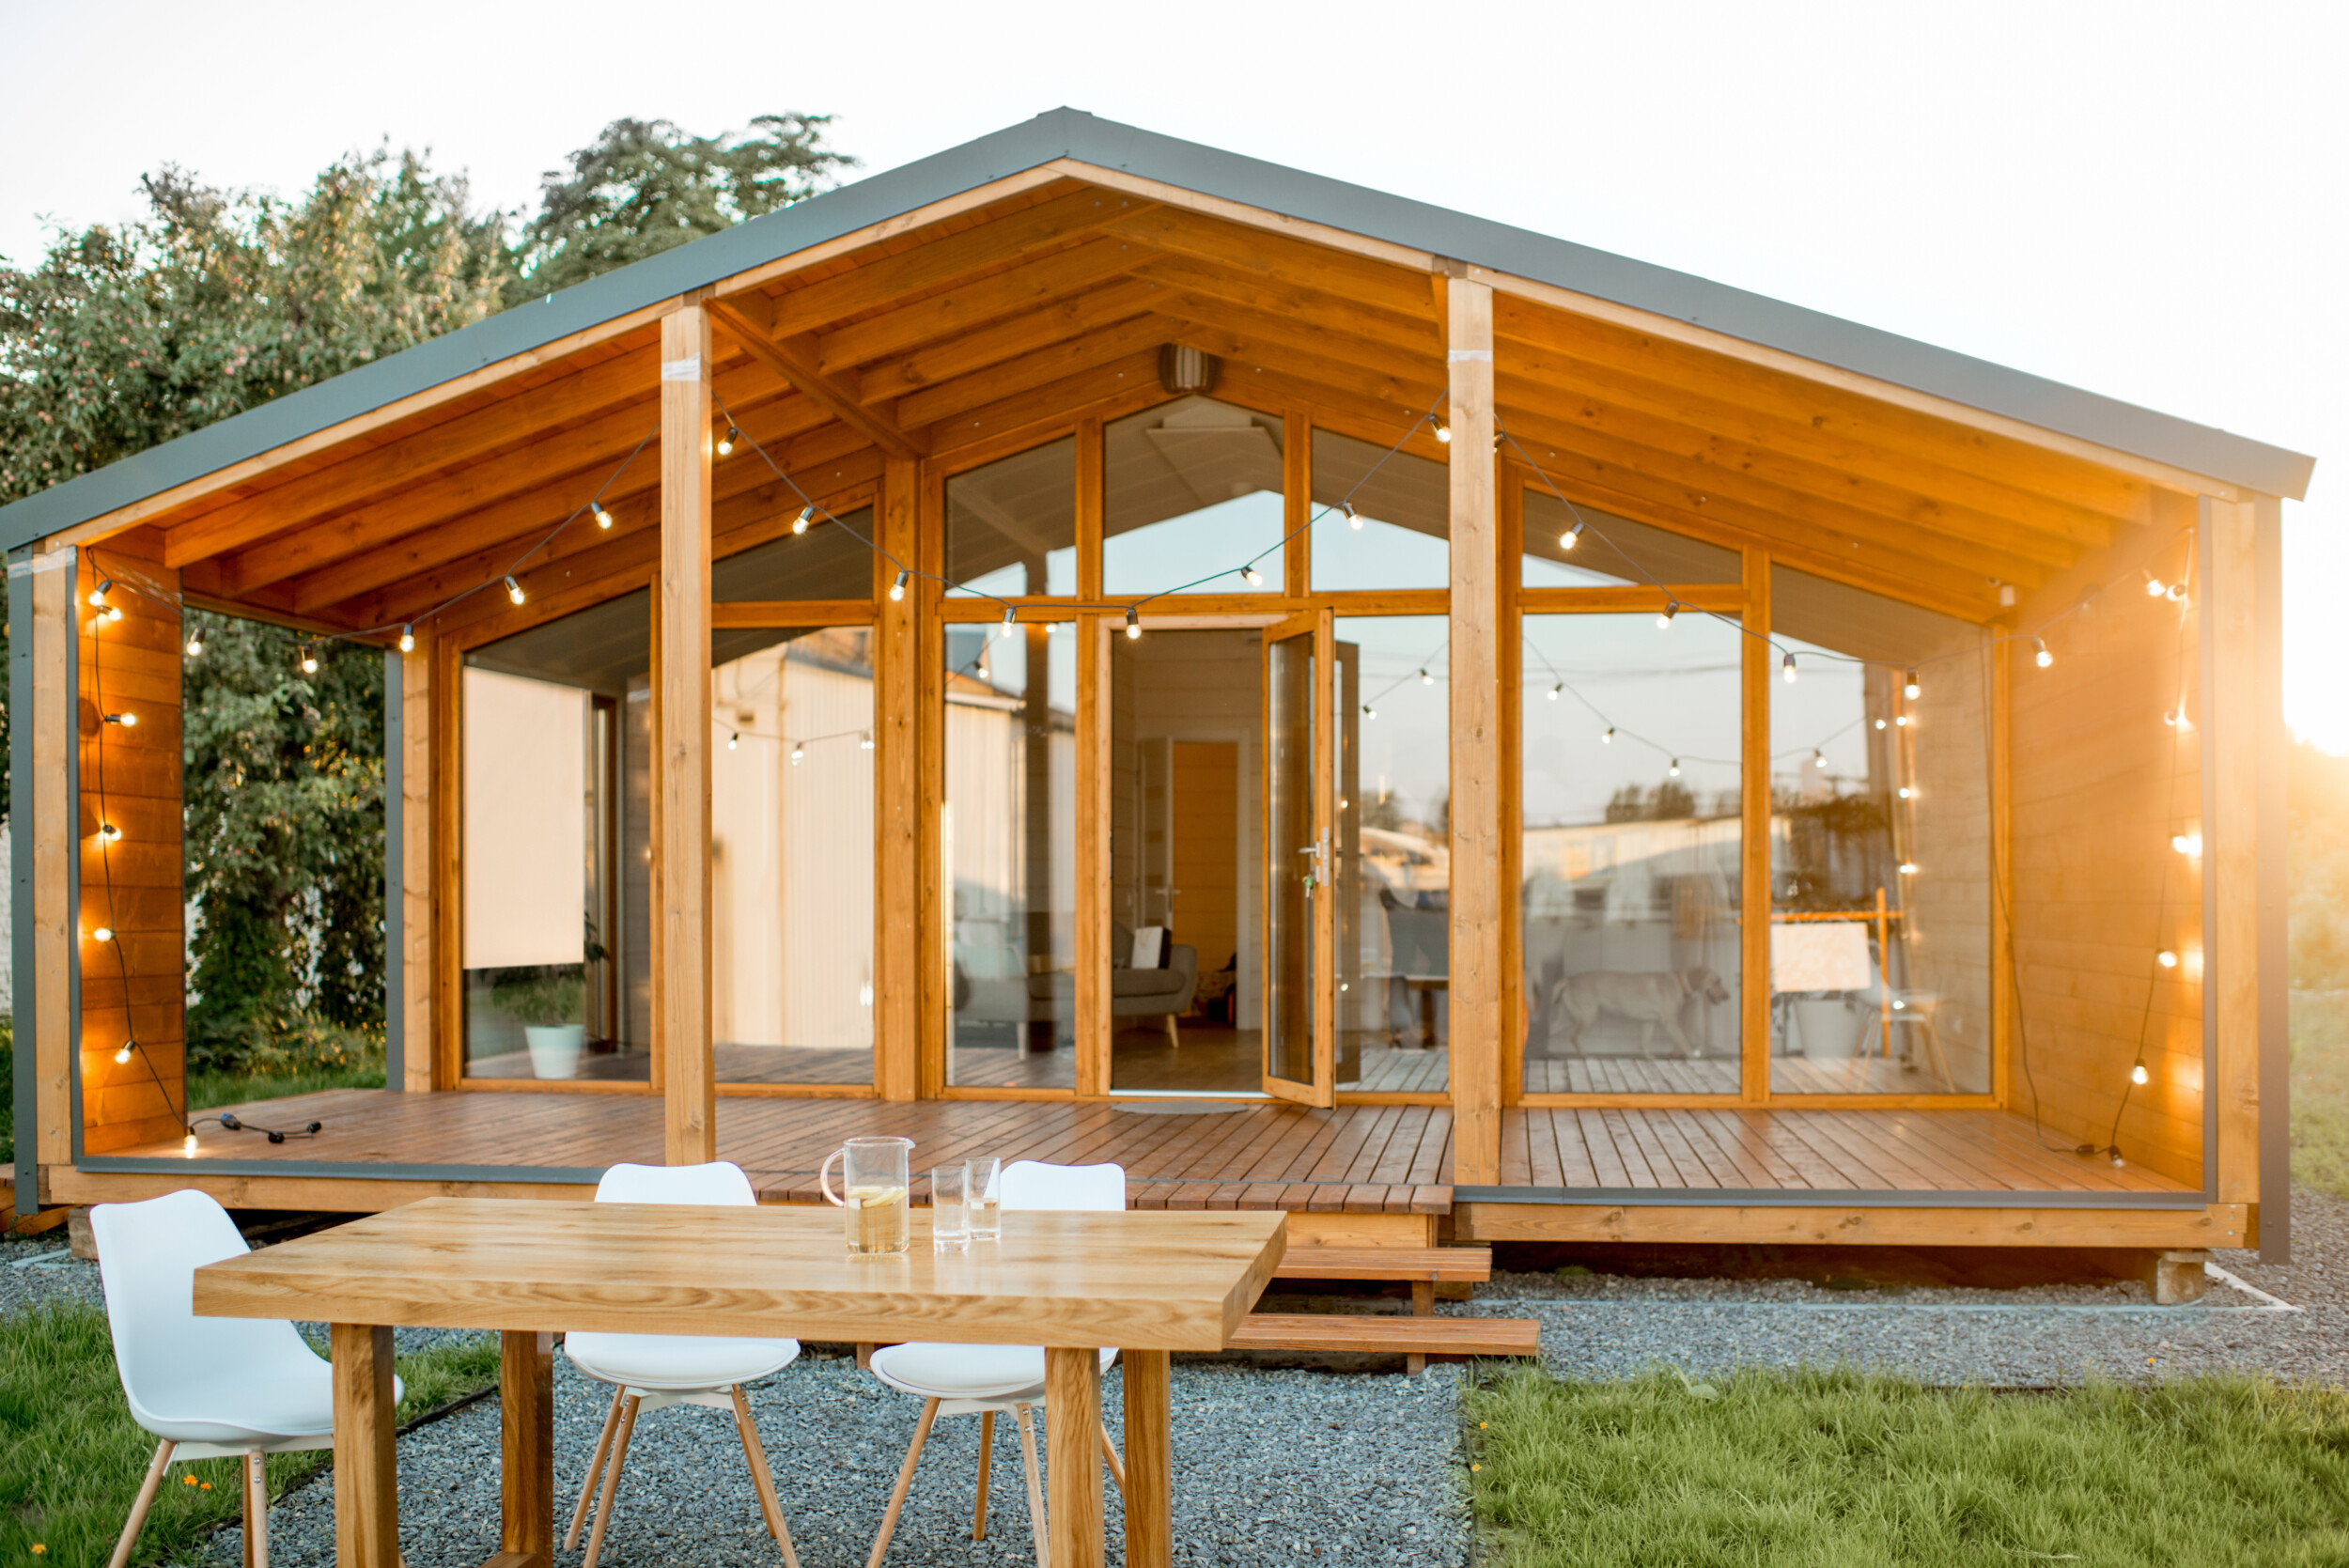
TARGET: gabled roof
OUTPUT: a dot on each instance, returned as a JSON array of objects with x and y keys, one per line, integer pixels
[{"x": 1069, "y": 133}]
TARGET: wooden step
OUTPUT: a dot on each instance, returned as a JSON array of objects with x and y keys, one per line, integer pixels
[
  {"x": 1388, "y": 1335},
  {"x": 1428, "y": 1265}
]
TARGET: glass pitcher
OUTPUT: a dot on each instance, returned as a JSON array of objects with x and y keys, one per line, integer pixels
[{"x": 877, "y": 1172}]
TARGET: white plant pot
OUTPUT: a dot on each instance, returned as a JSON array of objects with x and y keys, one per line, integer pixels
[
  {"x": 1830, "y": 1030},
  {"x": 554, "y": 1049}
]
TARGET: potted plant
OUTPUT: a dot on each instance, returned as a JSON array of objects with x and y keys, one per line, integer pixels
[{"x": 546, "y": 1000}]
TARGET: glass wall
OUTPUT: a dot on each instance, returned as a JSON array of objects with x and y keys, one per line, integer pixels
[
  {"x": 1629, "y": 860},
  {"x": 832, "y": 558},
  {"x": 1007, "y": 832},
  {"x": 1011, "y": 526},
  {"x": 1399, "y": 534},
  {"x": 1186, "y": 862},
  {"x": 1880, "y": 847},
  {"x": 791, "y": 854},
  {"x": 1191, "y": 487},
  {"x": 1391, "y": 862},
  {"x": 1581, "y": 546}
]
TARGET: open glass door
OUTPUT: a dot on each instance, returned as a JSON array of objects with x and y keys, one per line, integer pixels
[{"x": 1297, "y": 1025}]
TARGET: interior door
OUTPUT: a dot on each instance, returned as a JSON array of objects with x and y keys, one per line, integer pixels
[{"x": 1298, "y": 861}]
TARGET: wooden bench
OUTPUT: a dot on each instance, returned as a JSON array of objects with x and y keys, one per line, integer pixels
[{"x": 1415, "y": 1338}]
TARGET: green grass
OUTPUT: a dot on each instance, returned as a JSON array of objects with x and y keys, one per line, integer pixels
[
  {"x": 71, "y": 1458},
  {"x": 207, "y": 1090},
  {"x": 1844, "y": 1471},
  {"x": 2320, "y": 1090}
]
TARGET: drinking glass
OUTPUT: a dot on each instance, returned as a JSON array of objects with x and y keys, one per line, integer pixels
[
  {"x": 874, "y": 1170},
  {"x": 950, "y": 1208},
  {"x": 986, "y": 1201}
]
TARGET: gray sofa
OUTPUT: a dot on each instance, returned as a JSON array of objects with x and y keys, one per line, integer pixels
[{"x": 1133, "y": 993}]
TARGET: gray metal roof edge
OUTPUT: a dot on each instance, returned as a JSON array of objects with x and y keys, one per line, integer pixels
[{"x": 1085, "y": 138}]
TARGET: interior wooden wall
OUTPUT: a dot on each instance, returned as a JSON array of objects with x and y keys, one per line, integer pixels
[
  {"x": 1947, "y": 831},
  {"x": 2100, "y": 785},
  {"x": 131, "y": 666}
]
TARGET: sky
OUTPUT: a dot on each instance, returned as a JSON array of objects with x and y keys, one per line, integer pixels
[{"x": 2146, "y": 200}]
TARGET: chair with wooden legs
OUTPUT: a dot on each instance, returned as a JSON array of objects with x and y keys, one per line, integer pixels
[
  {"x": 988, "y": 1379},
  {"x": 652, "y": 1372},
  {"x": 206, "y": 1388}
]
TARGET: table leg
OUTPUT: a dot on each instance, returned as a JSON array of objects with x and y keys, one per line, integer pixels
[
  {"x": 366, "y": 1480},
  {"x": 1072, "y": 1467},
  {"x": 526, "y": 1462},
  {"x": 1149, "y": 1462}
]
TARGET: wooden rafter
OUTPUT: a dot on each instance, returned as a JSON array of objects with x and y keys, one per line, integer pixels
[{"x": 797, "y": 361}]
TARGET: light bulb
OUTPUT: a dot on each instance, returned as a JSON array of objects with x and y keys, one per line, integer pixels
[
  {"x": 1879, "y": 723},
  {"x": 124, "y": 1054},
  {"x": 1904, "y": 792},
  {"x": 1553, "y": 692},
  {"x": 1426, "y": 679},
  {"x": 1011, "y": 618},
  {"x": 406, "y": 639},
  {"x": 127, "y": 720},
  {"x": 1786, "y": 666},
  {"x": 2118, "y": 1163},
  {"x": 2166, "y": 958},
  {"x": 98, "y": 595},
  {"x": 1673, "y": 771},
  {"x": 1908, "y": 868},
  {"x": 603, "y": 515},
  {"x": 807, "y": 515},
  {"x": 108, "y": 832},
  {"x": 2041, "y": 658},
  {"x": 734, "y": 741},
  {"x": 1133, "y": 625},
  {"x": 1664, "y": 619},
  {"x": 1608, "y": 739},
  {"x": 2138, "y": 1075},
  {"x": 1909, "y": 688},
  {"x": 2155, "y": 587},
  {"x": 1369, "y": 712},
  {"x": 103, "y": 933},
  {"x": 864, "y": 741},
  {"x": 1251, "y": 576},
  {"x": 898, "y": 589},
  {"x": 797, "y": 751},
  {"x": 1818, "y": 759},
  {"x": 513, "y": 589},
  {"x": 195, "y": 645},
  {"x": 725, "y": 443},
  {"x": 2170, "y": 716},
  {"x": 114, "y": 611},
  {"x": 2187, "y": 844},
  {"x": 2177, "y": 593},
  {"x": 1570, "y": 537},
  {"x": 1443, "y": 431},
  {"x": 1353, "y": 518},
  {"x": 187, "y": 1144},
  {"x": 1901, "y": 720},
  {"x": 309, "y": 661}
]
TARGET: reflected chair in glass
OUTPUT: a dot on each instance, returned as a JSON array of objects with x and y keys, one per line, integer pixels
[
  {"x": 651, "y": 1372},
  {"x": 208, "y": 1387},
  {"x": 985, "y": 1379}
]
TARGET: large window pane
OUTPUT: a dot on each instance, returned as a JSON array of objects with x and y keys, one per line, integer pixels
[
  {"x": 831, "y": 559},
  {"x": 1011, "y": 526},
  {"x": 1191, "y": 488},
  {"x": 1609, "y": 551},
  {"x": 1880, "y": 847},
  {"x": 1007, "y": 831},
  {"x": 1392, "y": 865},
  {"x": 791, "y": 854},
  {"x": 1401, "y": 532},
  {"x": 557, "y": 842},
  {"x": 1630, "y": 857}
]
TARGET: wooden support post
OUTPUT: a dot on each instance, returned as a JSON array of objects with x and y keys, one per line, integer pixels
[
  {"x": 1149, "y": 1461},
  {"x": 56, "y": 843},
  {"x": 366, "y": 1480},
  {"x": 898, "y": 932},
  {"x": 1753, "y": 952},
  {"x": 680, "y": 980},
  {"x": 2227, "y": 601},
  {"x": 526, "y": 1471},
  {"x": 1072, "y": 1420},
  {"x": 1475, "y": 661},
  {"x": 1091, "y": 848},
  {"x": 415, "y": 865}
]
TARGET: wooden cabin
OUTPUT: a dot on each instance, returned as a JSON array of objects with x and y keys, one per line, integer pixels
[{"x": 1092, "y": 646}]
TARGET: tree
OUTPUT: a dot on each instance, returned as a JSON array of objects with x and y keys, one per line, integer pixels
[{"x": 644, "y": 186}]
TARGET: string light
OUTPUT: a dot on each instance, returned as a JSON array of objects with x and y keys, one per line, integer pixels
[
  {"x": 1426, "y": 679},
  {"x": 1673, "y": 771},
  {"x": 102, "y": 934},
  {"x": 1571, "y": 536},
  {"x": 114, "y": 612},
  {"x": 124, "y": 1055},
  {"x": 2187, "y": 844},
  {"x": 1879, "y": 723},
  {"x": 2170, "y": 716},
  {"x": 864, "y": 741},
  {"x": 734, "y": 741},
  {"x": 1904, "y": 792},
  {"x": 1909, "y": 688},
  {"x": 127, "y": 720},
  {"x": 1671, "y": 608},
  {"x": 2177, "y": 593},
  {"x": 798, "y": 524},
  {"x": 1443, "y": 431},
  {"x": 898, "y": 589},
  {"x": 1818, "y": 758},
  {"x": 1608, "y": 739},
  {"x": 1900, "y": 720},
  {"x": 2155, "y": 587},
  {"x": 797, "y": 751},
  {"x": 2041, "y": 655},
  {"x": 1555, "y": 690},
  {"x": 2166, "y": 958},
  {"x": 1133, "y": 625},
  {"x": 1353, "y": 518},
  {"x": 98, "y": 595},
  {"x": 109, "y": 832},
  {"x": 1011, "y": 618},
  {"x": 1908, "y": 868},
  {"x": 196, "y": 644},
  {"x": 407, "y": 639},
  {"x": 309, "y": 661},
  {"x": 603, "y": 515},
  {"x": 1786, "y": 666},
  {"x": 1369, "y": 712},
  {"x": 1251, "y": 576},
  {"x": 725, "y": 443},
  {"x": 2138, "y": 1075},
  {"x": 513, "y": 589}
]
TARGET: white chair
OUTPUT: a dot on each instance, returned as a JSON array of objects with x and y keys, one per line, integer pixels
[
  {"x": 208, "y": 1387},
  {"x": 651, "y": 1372},
  {"x": 983, "y": 1380}
]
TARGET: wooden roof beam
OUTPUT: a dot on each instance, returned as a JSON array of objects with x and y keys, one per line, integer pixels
[{"x": 798, "y": 359}]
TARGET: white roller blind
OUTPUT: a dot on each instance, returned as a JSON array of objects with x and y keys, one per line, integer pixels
[{"x": 525, "y": 861}]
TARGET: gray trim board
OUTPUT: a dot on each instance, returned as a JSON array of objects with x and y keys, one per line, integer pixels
[
  {"x": 71, "y": 719},
  {"x": 395, "y": 936},
  {"x": 1831, "y": 1198},
  {"x": 2275, "y": 887},
  {"x": 26, "y": 1074},
  {"x": 2206, "y": 755},
  {"x": 1069, "y": 133},
  {"x": 568, "y": 1175}
]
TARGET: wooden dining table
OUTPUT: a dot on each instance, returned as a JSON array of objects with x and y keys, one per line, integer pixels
[{"x": 1149, "y": 1282}]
